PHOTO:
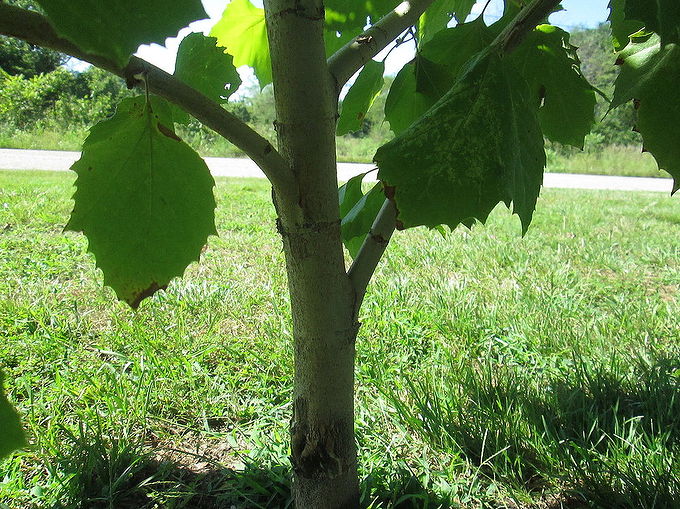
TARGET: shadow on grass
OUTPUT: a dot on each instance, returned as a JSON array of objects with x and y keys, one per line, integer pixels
[
  {"x": 592, "y": 435},
  {"x": 153, "y": 484},
  {"x": 605, "y": 435},
  {"x": 127, "y": 477}
]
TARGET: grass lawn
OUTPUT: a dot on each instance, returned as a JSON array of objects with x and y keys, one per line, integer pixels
[
  {"x": 625, "y": 161},
  {"x": 492, "y": 370}
]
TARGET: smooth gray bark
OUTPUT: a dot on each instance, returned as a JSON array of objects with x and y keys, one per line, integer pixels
[{"x": 323, "y": 451}]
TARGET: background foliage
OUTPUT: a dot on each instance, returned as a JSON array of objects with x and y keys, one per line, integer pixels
[{"x": 45, "y": 105}]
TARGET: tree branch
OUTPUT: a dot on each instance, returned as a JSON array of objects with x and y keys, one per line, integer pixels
[
  {"x": 364, "y": 265},
  {"x": 353, "y": 55},
  {"x": 371, "y": 251},
  {"x": 36, "y": 29},
  {"x": 527, "y": 19}
]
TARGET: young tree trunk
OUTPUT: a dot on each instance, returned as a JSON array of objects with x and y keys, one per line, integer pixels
[{"x": 321, "y": 295}]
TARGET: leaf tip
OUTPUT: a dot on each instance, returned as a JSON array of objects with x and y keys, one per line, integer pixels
[{"x": 139, "y": 296}]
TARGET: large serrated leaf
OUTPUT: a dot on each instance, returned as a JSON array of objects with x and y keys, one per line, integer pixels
[
  {"x": 243, "y": 33},
  {"x": 11, "y": 434},
  {"x": 650, "y": 75},
  {"x": 115, "y": 29},
  {"x": 423, "y": 81},
  {"x": 659, "y": 113},
  {"x": 360, "y": 97},
  {"x": 143, "y": 199},
  {"x": 567, "y": 112},
  {"x": 479, "y": 145},
  {"x": 660, "y": 16},
  {"x": 204, "y": 66}
]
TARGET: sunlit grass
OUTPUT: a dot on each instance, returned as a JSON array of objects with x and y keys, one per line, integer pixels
[
  {"x": 626, "y": 161},
  {"x": 492, "y": 370}
]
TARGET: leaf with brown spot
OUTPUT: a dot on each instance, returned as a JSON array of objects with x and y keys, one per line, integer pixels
[
  {"x": 143, "y": 294},
  {"x": 165, "y": 131},
  {"x": 360, "y": 97},
  {"x": 146, "y": 206}
]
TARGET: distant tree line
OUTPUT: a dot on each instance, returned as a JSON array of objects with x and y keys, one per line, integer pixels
[
  {"x": 597, "y": 64},
  {"x": 38, "y": 91}
]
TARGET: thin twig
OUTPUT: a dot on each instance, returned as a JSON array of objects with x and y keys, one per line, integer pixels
[
  {"x": 485, "y": 6},
  {"x": 353, "y": 55},
  {"x": 36, "y": 29},
  {"x": 408, "y": 37},
  {"x": 527, "y": 19},
  {"x": 372, "y": 250}
]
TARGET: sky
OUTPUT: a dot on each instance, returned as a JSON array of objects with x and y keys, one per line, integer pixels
[{"x": 577, "y": 13}]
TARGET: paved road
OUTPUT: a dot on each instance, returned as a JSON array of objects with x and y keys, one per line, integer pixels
[{"x": 12, "y": 159}]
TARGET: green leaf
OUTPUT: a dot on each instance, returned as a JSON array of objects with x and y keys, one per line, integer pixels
[
  {"x": 350, "y": 193},
  {"x": 660, "y": 16},
  {"x": 115, "y": 29},
  {"x": 462, "y": 9},
  {"x": 12, "y": 436},
  {"x": 432, "y": 79},
  {"x": 621, "y": 27},
  {"x": 351, "y": 14},
  {"x": 423, "y": 81},
  {"x": 650, "y": 75},
  {"x": 479, "y": 145},
  {"x": 360, "y": 97},
  {"x": 659, "y": 114},
  {"x": 439, "y": 14},
  {"x": 455, "y": 46},
  {"x": 567, "y": 112},
  {"x": 512, "y": 7},
  {"x": 143, "y": 199},
  {"x": 242, "y": 32},
  {"x": 204, "y": 66},
  {"x": 510, "y": 11},
  {"x": 404, "y": 103},
  {"x": 358, "y": 211},
  {"x": 639, "y": 61}
]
